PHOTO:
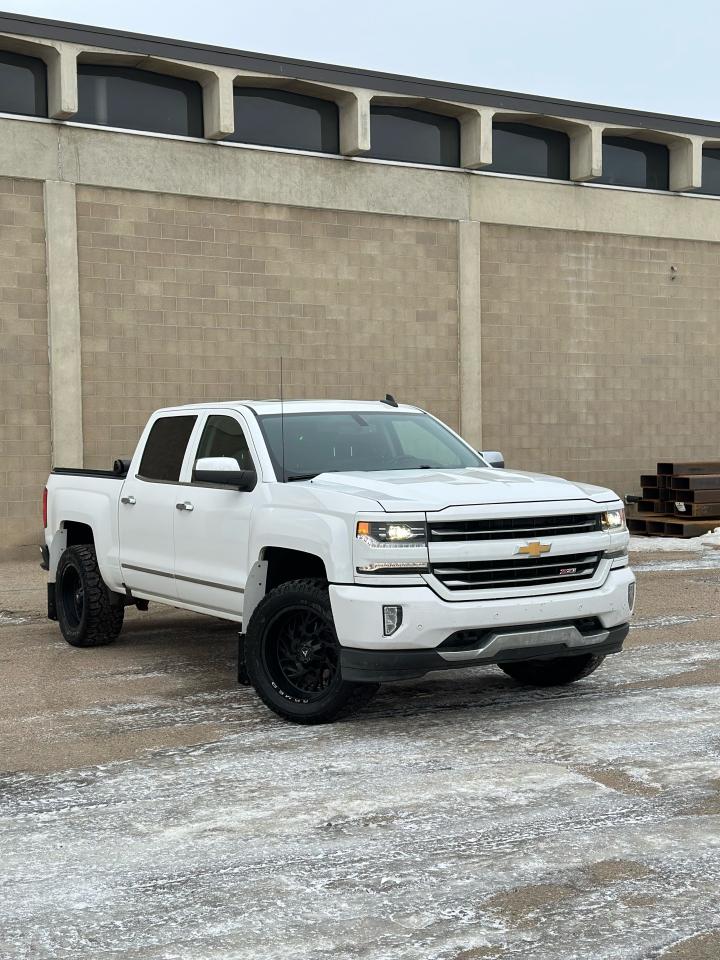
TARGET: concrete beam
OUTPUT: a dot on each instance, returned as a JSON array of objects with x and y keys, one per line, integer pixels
[
  {"x": 62, "y": 81},
  {"x": 354, "y": 122},
  {"x": 61, "y": 61},
  {"x": 63, "y": 324},
  {"x": 586, "y": 152},
  {"x": 686, "y": 164},
  {"x": 476, "y": 138},
  {"x": 218, "y": 104},
  {"x": 470, "y": 331}
]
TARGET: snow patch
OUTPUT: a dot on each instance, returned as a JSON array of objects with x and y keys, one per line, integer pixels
[{"x": 675, "y": 544}]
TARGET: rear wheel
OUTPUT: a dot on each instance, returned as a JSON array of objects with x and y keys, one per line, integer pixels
[
  {"x": 292, "y": 656},
  {"x": 552, "y": 673},
  {"x": 87, "y": 615}
]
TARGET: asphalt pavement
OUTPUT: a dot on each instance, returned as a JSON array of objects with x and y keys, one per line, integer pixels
[{"x": 151, "y": 808}]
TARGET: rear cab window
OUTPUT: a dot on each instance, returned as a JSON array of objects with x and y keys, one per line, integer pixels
[{"x": 165, "y": 447}]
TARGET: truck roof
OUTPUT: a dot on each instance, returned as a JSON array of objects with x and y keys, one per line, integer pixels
[{"x": 299, "y": 406}]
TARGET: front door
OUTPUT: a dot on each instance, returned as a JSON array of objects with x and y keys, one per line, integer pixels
[
  {"x": 212, "y": 524},
  {"x": 146, "y": 512}
]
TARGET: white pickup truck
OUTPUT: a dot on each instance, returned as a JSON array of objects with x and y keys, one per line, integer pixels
[{"x": 355, "y": 543}]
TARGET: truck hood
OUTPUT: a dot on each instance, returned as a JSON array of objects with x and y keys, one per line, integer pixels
[{"x": 410, "y": 490}]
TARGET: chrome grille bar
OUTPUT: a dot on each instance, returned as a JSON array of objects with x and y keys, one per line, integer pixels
[
  {"x": 480, "y": 575},
  {"x": 514, "y": 527}
]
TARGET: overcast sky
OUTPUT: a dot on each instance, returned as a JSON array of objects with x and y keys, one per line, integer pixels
[{"x": 648, "y": 54}]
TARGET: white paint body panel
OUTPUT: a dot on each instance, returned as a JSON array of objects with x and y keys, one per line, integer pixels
[
  {"x": 201, "y": 559},
  {"x": 428, "y": 620}
]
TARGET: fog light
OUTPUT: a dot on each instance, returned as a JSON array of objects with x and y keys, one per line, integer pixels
[
  {"x": 392, "y": 618},
  {"x": 631, "y": 597}
]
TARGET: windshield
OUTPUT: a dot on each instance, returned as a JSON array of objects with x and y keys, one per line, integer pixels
[{"x": 329, "y": 442}]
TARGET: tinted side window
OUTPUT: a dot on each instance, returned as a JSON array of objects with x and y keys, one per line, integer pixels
[
  {"x": 165, "y": 448},
  {"x": 635, "y": 163},
  {"x": 530, "y": 151},
  {"x": 711, "y": 172},
  {"x": 23, "y": 85},
  {"x": 224, "y": 437},
  {"x": 139, "y": 100},
  {"x": 278, "y": 118},
  {"x": 416, "y": 136}
]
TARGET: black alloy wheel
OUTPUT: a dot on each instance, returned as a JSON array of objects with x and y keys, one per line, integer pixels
[
  {"x": 292, "y": 656},
  {"x": 302, "y": 654},
  {"x": 72, "y": 596}
]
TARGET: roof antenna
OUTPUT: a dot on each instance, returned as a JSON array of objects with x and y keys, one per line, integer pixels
[
  {"x": 390, "y": 400},
  {"x": 282, "y": 421}
]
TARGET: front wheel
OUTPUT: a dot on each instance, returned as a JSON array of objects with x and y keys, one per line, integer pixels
[
  {"x": 87, "y": 615},
  {"x": 292, "y": 656},
  {"x": 552, "y": 673}
]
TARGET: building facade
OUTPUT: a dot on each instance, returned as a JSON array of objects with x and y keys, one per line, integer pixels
[{"x": 174, "y": 219}]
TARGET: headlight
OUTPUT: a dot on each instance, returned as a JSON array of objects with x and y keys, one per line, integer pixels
[
  {"x": 613, "y": 521},
  {"x": 391, "y": 534}
]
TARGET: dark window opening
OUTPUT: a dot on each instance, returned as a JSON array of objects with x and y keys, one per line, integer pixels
[
  {"x": 139, "y": 100},
  {"x": 710, "y": 172},
  {"x": 414, "y": 136},
  {"x": 23, "y": 85},
  {"x": 279, "y": 118},
  {"x": 529, "y": 151},
  {"x": 165, "y": 448},
  {"x": 635, "y": 163}
]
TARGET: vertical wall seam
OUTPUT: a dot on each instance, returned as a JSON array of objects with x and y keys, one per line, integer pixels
[
  {"x": 64, "y": 342},
  {"x": 469, "y": 331}
]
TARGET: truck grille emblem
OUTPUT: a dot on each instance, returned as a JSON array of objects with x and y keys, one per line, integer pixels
[{"x": 535, "y": 549}]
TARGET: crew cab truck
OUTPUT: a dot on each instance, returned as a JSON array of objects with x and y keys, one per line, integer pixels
[{"x": 353, "y": 542}]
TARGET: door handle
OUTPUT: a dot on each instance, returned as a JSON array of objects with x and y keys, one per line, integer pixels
[
  {"x": 130, "y": 501},
  {"x": 185, "y": 505}
]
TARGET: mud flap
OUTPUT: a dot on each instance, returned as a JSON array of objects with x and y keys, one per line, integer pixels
[{"x": 242, "y": 674}]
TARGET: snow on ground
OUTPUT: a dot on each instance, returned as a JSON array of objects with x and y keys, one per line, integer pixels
[
  {"x": 675, "y": 544},
  {"x": 459, "y": 817}
]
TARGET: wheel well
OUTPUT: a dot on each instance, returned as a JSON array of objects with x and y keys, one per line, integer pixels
[
  {"x": 78, "y": 533},
  {"x": 285, "y": 565}
]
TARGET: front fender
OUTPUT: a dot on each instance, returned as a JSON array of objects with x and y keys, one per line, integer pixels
[{"x": 324, "y": 535}]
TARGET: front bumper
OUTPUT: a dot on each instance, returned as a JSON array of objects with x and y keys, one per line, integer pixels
[
  {"x": 502, "y": 646},
  {"x": 429, "y": 620}
]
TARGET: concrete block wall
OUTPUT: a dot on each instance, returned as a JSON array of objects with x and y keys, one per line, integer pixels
[
  {"x": 24, "y": 370},
  {"x": 598, "y": 358},
  {"x": 189, "y": 299}
]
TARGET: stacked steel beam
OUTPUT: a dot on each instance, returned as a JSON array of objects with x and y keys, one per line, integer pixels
[{"x": 681, "y": 500}]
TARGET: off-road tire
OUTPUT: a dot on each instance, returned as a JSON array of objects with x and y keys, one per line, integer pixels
[
  {"x": 96, "y": 620},
  {"x": 340, "y": 699},
  {"x": 552, "y": 673}
]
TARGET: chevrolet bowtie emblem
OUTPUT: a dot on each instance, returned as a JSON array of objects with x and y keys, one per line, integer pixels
[{"x": 534, "y": 549}]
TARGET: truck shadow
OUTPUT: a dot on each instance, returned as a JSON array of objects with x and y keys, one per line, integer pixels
[{"x": 206, "y": 649}]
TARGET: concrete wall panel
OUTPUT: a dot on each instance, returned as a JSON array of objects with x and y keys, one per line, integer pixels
[
  {"x": 24, "y": 372},
  {"x": 189, "y": 299},
  {"x": 596, "y": 362}
]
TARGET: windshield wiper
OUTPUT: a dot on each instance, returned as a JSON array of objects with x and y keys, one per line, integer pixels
[{"x": 300, "y": 476}]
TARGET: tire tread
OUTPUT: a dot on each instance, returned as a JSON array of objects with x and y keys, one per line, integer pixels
[
  {"x": 104, "y": 618},
  {"x": 551, "y": 673}
]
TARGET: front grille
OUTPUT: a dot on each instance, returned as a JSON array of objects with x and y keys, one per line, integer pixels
[
  {"x": 512, "y": 528},
  {"x": 520, "y": 572}
]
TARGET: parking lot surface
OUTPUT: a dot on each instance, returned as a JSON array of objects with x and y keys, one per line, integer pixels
[{"x": 151, "y": 808}]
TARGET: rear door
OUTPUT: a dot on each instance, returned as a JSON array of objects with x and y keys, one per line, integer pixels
[
  {"x": 212, "y": 528},
  {"x": 147, "y": 508}
]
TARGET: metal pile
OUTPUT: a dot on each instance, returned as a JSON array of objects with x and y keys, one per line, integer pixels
[{"x": 680, "y": 500}]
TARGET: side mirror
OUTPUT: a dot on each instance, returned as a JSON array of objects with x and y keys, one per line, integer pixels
[
  {"x": 494, "y": 458},
  {"x": 225, "y": 471}
]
